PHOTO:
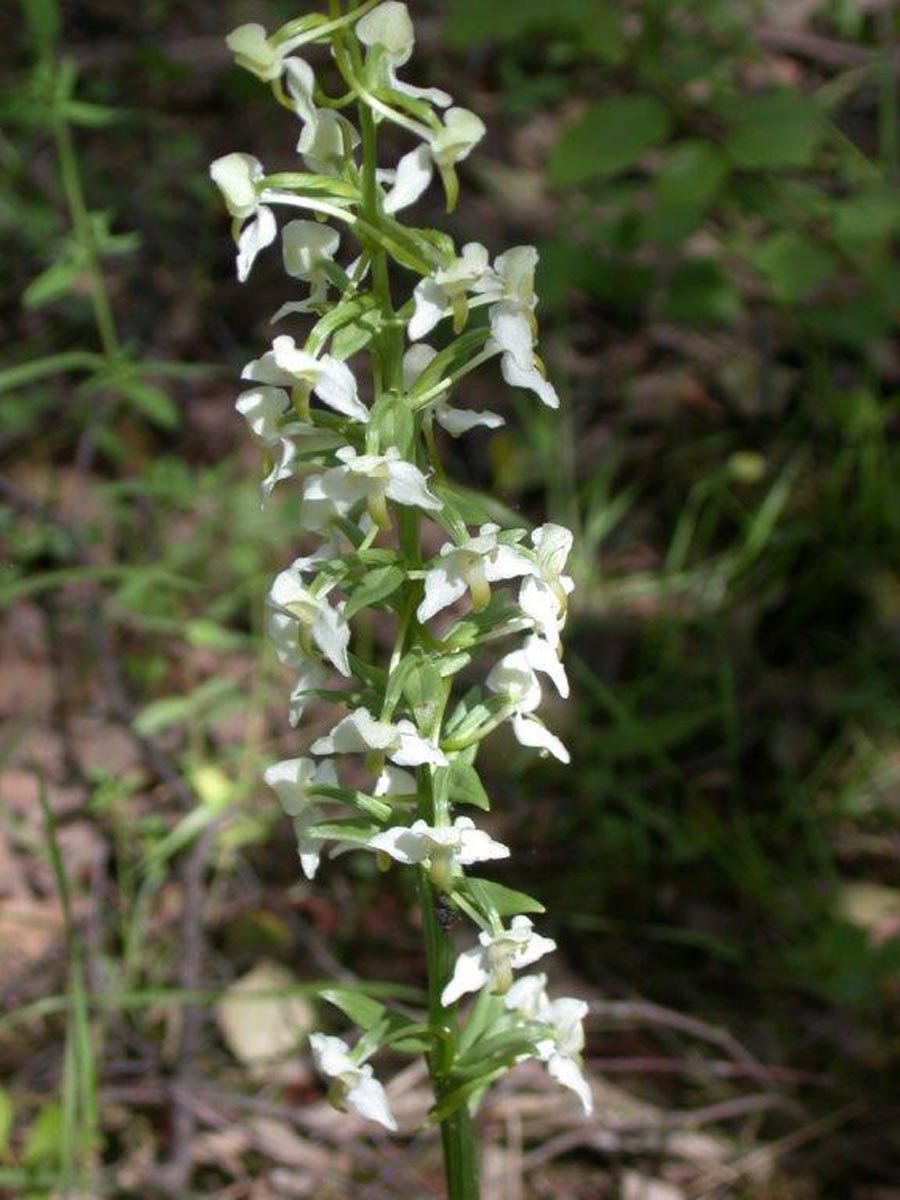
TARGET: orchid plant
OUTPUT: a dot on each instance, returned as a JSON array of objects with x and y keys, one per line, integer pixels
[{"x": 394, "y": 534}]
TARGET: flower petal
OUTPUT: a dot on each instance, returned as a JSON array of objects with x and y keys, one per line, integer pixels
[
  {"x": 415, "y": 360},
  {"x": 261, "y": 407},
  {"x": 540, "y": 604},
  {"x": 356, "y": 733},
  {"x": 331, "y": 1054},
  {"x": 301, "y": 81},
  {"x": 567, "y": 1072},
  {"x": 236, "y": 176},
  {"x": 530, "y": 378},
  {"x": 529, "y": 731},
  {"x": 431, "y": 304},
  {"x": 255, "y": 236},
  {"x": 369, "y": 1099},
  {"x": 388, "y": 25},
  {"x": 462, "y": 131},
  {"x": 404, "y": 844},
  {"x": 469, "y": 975},
  {"x": 407, "y": 485},
  {"x": 543, "y": 657},
  {"x": 253, "y": 51},
  {"x": 458, "y": 421},
  {"x": 511, "y": 330},
  {"x": 291, "y": 780},
  {"x": 443, "y": 587},
  {"x": 478, "y": 846},
  {"x": 507, "y": 562},
  {"x": 336, "y": 387},
  {"x": 394, "y": 782},
  {"x": 414, "y": 750},
  {"x": 312, "y": 677},
  {"x": 331, "y": 634},
  {"x": 414, "y": 172},
  {"x": 304, "y": 245}
]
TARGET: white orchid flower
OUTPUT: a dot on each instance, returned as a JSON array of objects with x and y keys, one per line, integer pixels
[
  {"x": 456, "y": 421},
  {"x": 392, "y": 781},
  {"x": 283, "y": 459},
  {"x": 353, "y": 1082},
  {"x": 444, "y": 291},
  {"x": 284, "y": 634},
  {"x": 541, "y": 656},
  {"x": 318, "y": 510},
  {"x": 515, "y": 268},
  {"x": 376, "y": 478},
  {"x": 389, "y": 27},
  {"x": 495, "y": 958},
  {"x": 305, "y": 246},
  {"x": 518, "y": 363},
  {"x": 324, "y": 625},
  {"x": 254, "y": 226},
  {"x": 255, "y": 52},
  {"x": 262, "y": 408},
  {"x": 513, "y": 326},
  {"x": 311, "y": 678},
  {"x": 294, "y": 781},
  {"x": 300, "y": 80},
  {"x": 473, "y": 566},
  {"x": 543, "y": 596},
  {"x": 561, "y": 1050},
  {"x": 326, "y": 138},
  {"x": 326, "y": 143},
  {"x": 460, "y": 133},
  {"x": 332, "y": 381},
  {"x": 441, "y": 848},
  {"x": 514, "y": 677},
  {"x": 360, "y": 732}
]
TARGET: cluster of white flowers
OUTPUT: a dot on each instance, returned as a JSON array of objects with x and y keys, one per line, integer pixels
[{"x": 366, "y": 471}]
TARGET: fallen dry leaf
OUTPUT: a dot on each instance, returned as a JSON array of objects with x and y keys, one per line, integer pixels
[{"x": 260, "y": 1029}]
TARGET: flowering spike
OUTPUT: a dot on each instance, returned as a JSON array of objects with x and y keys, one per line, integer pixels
[{"x": 365, "y": 460}]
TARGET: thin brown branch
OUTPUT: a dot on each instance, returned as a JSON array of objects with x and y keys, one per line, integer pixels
[
  {"x": 830, "y": 52},
  {"x": 642, "y": 1012}
]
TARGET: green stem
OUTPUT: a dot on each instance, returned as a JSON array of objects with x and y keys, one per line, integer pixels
[
  {"x": 457, "y": 1131},
  {"x": 81, "y": 223}
]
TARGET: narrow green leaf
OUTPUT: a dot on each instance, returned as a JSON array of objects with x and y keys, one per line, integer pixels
[
  {"x": 362, "y": 1010},
  {"x": 52, "y": 283},
  {"x": 494, "y": 897},
  {"x": 42, "y": 1142},
  {"x": 7, "y": 1115},
  {"x": 151, "y": 402},
  {"x": 466, "y": 786},
  {"x": 44, "y": 22},
  {"x": 375, "y": 587},
  {"x": 349, "y": 830},
  {"x": 352, "y": 312},
  {"x": 22, "y": 374},
  {"x": 93, "y": 116}
]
